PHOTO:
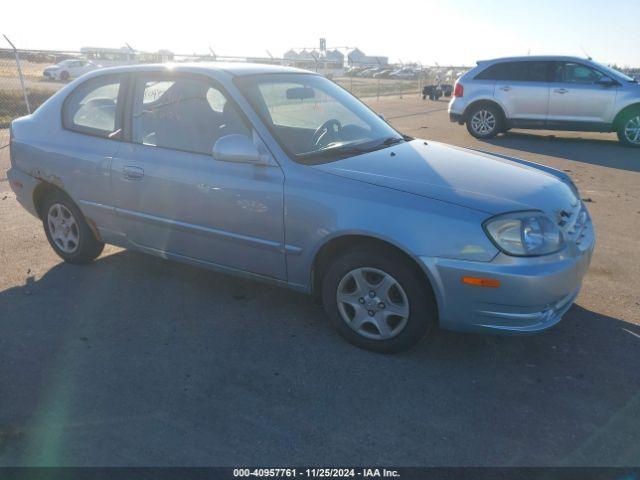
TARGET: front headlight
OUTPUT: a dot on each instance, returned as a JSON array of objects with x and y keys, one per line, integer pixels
[{"x": 524, "y": 233}]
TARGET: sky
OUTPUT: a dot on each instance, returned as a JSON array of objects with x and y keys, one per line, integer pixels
[{"x": 426, "y": 31}]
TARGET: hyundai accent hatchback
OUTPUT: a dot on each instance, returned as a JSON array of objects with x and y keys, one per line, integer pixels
[{"x": 281, "y": 175}]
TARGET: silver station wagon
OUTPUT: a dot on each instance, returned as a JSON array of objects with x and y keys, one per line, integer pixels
[{"x": 281, "y": 175}]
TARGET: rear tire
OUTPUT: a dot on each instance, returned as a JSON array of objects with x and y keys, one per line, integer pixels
[
  {"x": 629, "y": 130},
  {"x": 377, "y": 300},
  {"x": 484, "y": 121},
  {"x": 67, "y": 230},
  {"x": 64, "y": 76}
]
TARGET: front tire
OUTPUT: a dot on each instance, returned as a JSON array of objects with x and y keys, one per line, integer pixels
[
  {"x": 64, "y": 76},
  {"x": 67, "y": 230},
  {"x": 377, "y": 300},
  {"x": 484, "y": 121},
  {"x": 629, "y": 131}
]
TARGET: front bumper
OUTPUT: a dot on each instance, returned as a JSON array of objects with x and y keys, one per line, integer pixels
[{"x": 533, "y": 295}]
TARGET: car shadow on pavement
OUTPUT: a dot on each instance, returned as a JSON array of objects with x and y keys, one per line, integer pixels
[
  {"x": 603, "y": 152},
  {"x": 134, "y": 360}
]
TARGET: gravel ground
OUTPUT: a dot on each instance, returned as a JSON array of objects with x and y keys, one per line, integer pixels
[{"x": 133, "y": 360}]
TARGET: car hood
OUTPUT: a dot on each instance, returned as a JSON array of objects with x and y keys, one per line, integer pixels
[{"x": 457, "y": 175}]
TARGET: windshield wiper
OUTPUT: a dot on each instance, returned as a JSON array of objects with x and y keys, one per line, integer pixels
[
  {"x": 350, "y": 150},
  {"x": 357, "y": 150},
  {"x": 387, "y": 142}
]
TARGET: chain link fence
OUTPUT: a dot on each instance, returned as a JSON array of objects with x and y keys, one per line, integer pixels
[
  {"x": 24, "y": 87},
  {"x": 438, "y": 82},
  {"x": 12, "y": 99}
]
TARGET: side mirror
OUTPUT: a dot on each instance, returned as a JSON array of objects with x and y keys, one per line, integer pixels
[
  {"x": 606, "y": 82},
  {"x": 382, "y": 116},
  {"x": 236, "y": 148}
]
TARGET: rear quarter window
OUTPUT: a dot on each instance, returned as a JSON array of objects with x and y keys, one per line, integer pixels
[
  {"x": 501, "y": 71},
  {"x": 93, "y": 108},
  {"x": 523, "y": 71}
]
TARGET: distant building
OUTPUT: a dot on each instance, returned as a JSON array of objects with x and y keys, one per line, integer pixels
[
  {"x": 291, "y": 55},
  {"x": 332, "y": 59},
  {"x": 336, "y": 57},
  {"x": 314, "y": 59},
  {"x": 357, "y": 58}
]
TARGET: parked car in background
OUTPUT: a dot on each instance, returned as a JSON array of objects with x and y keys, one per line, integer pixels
[
  {"x": 369, "y": 72},
  {"x": 547, "y": 92},
  {"x": 447, "y": 89},
  {"x": 383, "y": 73},
  {"x": 68, "y": 69},
  {"x": 212, "y": 164},
  {"x": 432, "y": 92},
  {"x": 405, "y": 73},
  {"x": 353, "y": 71}
]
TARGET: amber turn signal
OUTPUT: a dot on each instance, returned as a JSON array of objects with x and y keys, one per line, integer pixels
[{"x": 481, "y": 282}]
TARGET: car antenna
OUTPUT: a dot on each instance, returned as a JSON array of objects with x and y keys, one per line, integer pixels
[{"x": 585, "y": 53}]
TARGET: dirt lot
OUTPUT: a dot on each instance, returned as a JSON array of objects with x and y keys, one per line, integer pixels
[{"x": 137, "y": 361}]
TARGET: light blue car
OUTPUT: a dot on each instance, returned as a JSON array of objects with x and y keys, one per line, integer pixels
[{"x": 281, "y": 175}]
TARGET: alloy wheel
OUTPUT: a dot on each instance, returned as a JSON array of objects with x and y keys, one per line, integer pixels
[
  {"x": 483, "y": 122},
  {"x": 63, "y": 228},
  {"x": 632, "y": 130},
  {"x": 372, "y": 303}
]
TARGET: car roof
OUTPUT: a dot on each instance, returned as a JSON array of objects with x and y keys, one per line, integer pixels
[
  {"x": 232, "y": 68},
  {"x": 536, "y": 58}
]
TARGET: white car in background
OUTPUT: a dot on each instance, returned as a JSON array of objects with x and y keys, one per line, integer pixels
[
  {"x": 405, "y": 73},
  {"x": 68, "y": 69}
]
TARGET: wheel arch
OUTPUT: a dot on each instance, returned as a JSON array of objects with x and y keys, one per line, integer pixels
[
  {"x": 43, "y": 189},
  {"x": 634, "y": 107},
  {"x": 486, "y": 101},
  {"x": 342, "y": 243},
  {"x": 41, "y": 192}
]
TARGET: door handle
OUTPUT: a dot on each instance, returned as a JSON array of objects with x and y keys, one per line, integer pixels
[
  {"x": 561, "y": 91},
  {"x": 132, "y": 173},
  {"x": 506, "y": 88}
]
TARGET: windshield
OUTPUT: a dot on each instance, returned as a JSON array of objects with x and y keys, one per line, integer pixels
[
  {"x": 615, "y": 73},
  {"x": 315, "y": 120}
]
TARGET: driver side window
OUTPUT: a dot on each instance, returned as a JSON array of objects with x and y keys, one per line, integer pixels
[
  {"x": 571, "y": 72},
  {"x": 183, "y": 113}
]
